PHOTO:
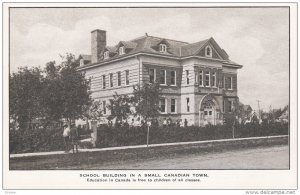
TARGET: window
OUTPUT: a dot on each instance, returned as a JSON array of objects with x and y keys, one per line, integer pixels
[
  {"x": 81, "y": 62},
  {"x": 230, "y": 106},
  {"x": 213, "y": 79},
  {"x": 201, "y": 78},
  {"x": 173, "y": 105},
  {"x": 207, "y": 79},
  {"x": 121, "y": 50},
  {"x": 111, "y": 81},
  {"x": 196, "y": 78},
  {"x": 210, "y": 112},
  {"x": 103, "y": 82},
  {"x": 151, "y": 75},
  {"x": 173, "y": 77},
  {"x": 188, "y": 104},
  {"x": 162, "y": 77},
  {"x": 163, "y": 48},
  {"x": 208, "y": 51},
  {"x": 104, "y": 107},
  {"x": 187, "y": 77},
  {"x": 127, "y": 77},
  {"x": 223, "y": 106},
  {"x": 162, "y": 105},
  {"x": 106, "y": 55},
  {"x": 119, "y": 78},
  {"x": 230, "y": 82},
  {"x": 224, "y": 82}
]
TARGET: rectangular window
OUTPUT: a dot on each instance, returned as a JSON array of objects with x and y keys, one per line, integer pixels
[
  {"x": 223, "y": 106},
  {"x": 173, "y": 105},
  {"x": 162, "y": 105},
  {"x": 173, "y": 77},
  {"x": 103, "y": 81},
  {"x": 162, "y": 77},
  {"x": 230, "y": 106},
  {"x": 196, "y": 78},
  {"x": 213, "y": 80},
  {"x": 188, "y": 104},
  {"x": 151, "y": 75},
  {"x": 127, "y": 77},
  {"x": 111, "y": 81},
  {"x": 119, "y": 78},
  {"x": 230, "y": 82},
  {"x": 201, "y": 78},
  {"x": 104, "y": 107},
  {"x": 121, "y": 50},
  {"x": 207, "y": 79},
  {"x": 224, "y": 82},
  {"x": 187, "y": 77}
]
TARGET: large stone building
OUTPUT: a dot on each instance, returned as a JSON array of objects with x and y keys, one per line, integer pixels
[{"x": 198, "y": 81}]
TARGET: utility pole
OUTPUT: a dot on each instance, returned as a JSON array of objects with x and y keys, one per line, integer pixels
[{"x": 259, "y": 117}]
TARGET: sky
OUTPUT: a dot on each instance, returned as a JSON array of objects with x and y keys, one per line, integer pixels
[{"x": 257, "y": 38}]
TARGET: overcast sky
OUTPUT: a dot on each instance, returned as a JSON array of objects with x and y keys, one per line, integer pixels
[{"x": 256, "y": 38}]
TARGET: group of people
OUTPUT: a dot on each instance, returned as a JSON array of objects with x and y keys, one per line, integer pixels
[
  {"x": 71, "y": 138},
  {"x": 179, "y": 123}
]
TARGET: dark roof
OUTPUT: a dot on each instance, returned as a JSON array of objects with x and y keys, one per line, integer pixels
[
  {"x": 150, "y": 44},
  {"x": 85, "y": 57}
]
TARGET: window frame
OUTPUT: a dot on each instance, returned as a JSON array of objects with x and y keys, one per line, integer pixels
[
  {"x": 201, "y": 81},
  {"x": 187, "y": 73},
  {"x": 210, "y": 50},
  {"x": 121, "y": 50},
  {"x": 230, "y": 106},
  {"x": 111, "y": 80},
  {"x": 175, "y": 107},
  {"x": 165, "y": 105},
  {"x": 231, "y": 83},
  {"x": 119, "y": 79},
  {"x": 223, "y": 109},
  {"x": 103, "y": 81},
  {"x": 162, "y": 48},
  {"x": 106, "y": 55},
  {"x": 187, "y": 104},
  {"x": 175, "y": 77},
  {"x": 165, "y": 77},
  {"x": 127, "y": 77},
  {"x": 207, "y": 73},
  {"x": 214, "y": 76},
  {"x": 154, "y": 75}
]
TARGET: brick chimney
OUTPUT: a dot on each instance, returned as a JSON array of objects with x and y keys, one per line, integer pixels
[{"x": 98, "y": 44}]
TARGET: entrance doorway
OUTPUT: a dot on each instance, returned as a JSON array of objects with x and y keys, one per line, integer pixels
[{"x": 209, "y": 115}]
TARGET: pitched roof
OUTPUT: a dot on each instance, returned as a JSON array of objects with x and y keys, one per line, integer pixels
[
  {"x": 85, "y": 57},
  {"x": 150, "y": 44}
]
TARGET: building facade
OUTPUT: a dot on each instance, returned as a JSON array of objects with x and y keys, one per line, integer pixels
[{"x": 197, "y": 80}]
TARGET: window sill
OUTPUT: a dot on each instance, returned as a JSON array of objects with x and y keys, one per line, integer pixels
[
  {"x": 173, "y": 85},
  {"x": 163, "y": 84}
]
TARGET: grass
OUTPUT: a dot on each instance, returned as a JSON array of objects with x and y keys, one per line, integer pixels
[{"x": 94, "y": 160}]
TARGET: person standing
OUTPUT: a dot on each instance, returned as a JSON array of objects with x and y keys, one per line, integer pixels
[
  {"x": 66, "y": 136},
  {"x": 185, "y": 123},
  {"x": 74, "y": 138}
]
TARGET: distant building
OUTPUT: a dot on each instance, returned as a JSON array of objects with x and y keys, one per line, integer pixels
[{"x": 198, "y": 81}]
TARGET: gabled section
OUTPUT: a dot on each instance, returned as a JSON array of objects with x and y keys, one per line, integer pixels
[
  {"x": 206, "y": 48},
  {"x": 162, "y": 46}
]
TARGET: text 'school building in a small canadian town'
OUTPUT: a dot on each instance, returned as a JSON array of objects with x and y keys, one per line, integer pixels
[{"x": 198, "y": 81}]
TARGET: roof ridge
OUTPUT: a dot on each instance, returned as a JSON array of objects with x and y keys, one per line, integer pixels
[
  {"x": 168, "y": 39},
  {"x": 196, "y": 42}
]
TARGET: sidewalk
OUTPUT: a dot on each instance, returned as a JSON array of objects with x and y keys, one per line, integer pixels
[{"x": 141, "y": 146}]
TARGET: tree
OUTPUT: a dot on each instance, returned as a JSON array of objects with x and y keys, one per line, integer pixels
[
  {"x": 120, "y": 107},
  {"x": 25, "y": 88},
  {"x": 93, "y": 111},
  {"x": 74, "y": 89},
  {"x": 146, "y": 100}
]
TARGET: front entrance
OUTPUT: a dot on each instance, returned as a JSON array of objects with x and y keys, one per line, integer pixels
[
  {"x": 209, "y": 115},
  {"x": 209, "y": 111}
]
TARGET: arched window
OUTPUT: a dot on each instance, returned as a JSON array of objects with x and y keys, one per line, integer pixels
[
  {"x": 208, "y": 51},
  {"x": 106, "y": 55},
  {"x": 121, "y": 50}
]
